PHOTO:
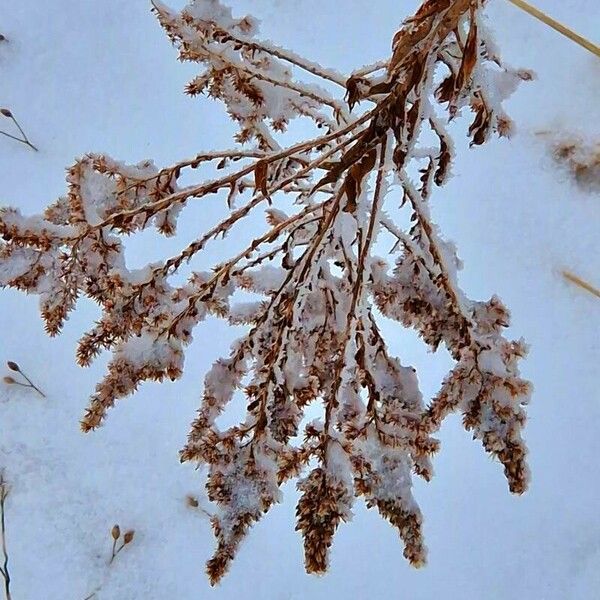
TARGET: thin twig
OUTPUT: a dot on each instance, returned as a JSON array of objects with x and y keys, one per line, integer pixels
[
  {"x": 283, "y": 54},
  {"x": 4, "y": 491},
  {"x": 32, "y": 385},
  {"x": 210, "y": 186},
  {"x": 368, "y": 69},
  {"x": 5, "y": 112},
  {"x": 18, "y": 139},
  {"x": 114, "y": 551},
  {"x": 13, "y": 366},
  {"x": 293, "y": 58}
]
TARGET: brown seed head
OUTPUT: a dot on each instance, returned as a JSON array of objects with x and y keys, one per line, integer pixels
[
  {"x": 192, "y": 502},
  {"x": 5, "y": 112},
  {"x": 9, "y": 380},
  {"x": 128, "y": 536},
  {"x": 13, "y": 366},
  {"x": 115, "y": 532}
]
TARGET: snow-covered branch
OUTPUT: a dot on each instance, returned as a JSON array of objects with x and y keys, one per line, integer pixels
[{"x": 313, "y": 336}]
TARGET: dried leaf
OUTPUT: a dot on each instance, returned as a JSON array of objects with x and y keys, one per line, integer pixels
[
  {"x": 354, "y": 90},
  {"x": 354, "y": 179},
  {"x": 469, "y": 59},
  {"x": 261, "y": 172}
]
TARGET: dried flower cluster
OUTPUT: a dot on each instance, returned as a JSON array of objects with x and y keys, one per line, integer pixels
[
  {"x": 582, "y": 160},
  {"x": 312, "y": 335}
]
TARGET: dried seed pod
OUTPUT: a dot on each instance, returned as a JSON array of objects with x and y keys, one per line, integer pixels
[
  {"x": 115, "y": 532},
  {"x": 192, "y": 502},
  {"x": 128, "y": 536},
  {"x": 13, "y": 366},
  {"x": 9, "y": 380},
  {"x": 5, "y": 112}
]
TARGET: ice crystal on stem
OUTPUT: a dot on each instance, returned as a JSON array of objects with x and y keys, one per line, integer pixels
[{"x": 314, "y": 337}]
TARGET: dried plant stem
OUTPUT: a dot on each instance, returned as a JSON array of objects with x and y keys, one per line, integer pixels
[
  {"x": 581, "y": 283},
  {"x": 24, "y": 139},
  {"x": 4, "y": 491},
  {"x": 29, "y": 383},
  {"x": 364, "y": 247},
  {"x": 294, "y": 59},
  {"x": 557, "y": 26},
  {"x": 32, "y": 385},
  {"x": 124, "y": 541},
  {"x": 205, "y": 188},
  {"x": 244, "y": 210},
  {"x": 18, "y": 139},
  {"x": 116, "y": 536},
  {"x": 288, "y": 56},
  {"x": 114, "y": 551},
  {"x": 372, "y": 68}
]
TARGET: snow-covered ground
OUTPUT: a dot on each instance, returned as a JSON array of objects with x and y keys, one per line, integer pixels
[{"x": 100, "y": 76}]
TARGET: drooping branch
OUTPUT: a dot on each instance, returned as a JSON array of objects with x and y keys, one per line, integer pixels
[{"x": 312, "y": 334}]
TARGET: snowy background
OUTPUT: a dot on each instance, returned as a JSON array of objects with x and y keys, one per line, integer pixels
[{"x": 89, "y": 75}]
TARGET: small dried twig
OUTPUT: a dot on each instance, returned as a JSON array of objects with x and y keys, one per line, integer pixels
[
  {"x": 115, "y": 533},
  {"x": 581, "y": 283},
  {"x": 194, "y": 503},
  {"x": 5, "y": 112},
  {"x": 13, "y": 366},
  {"x": 4, "y": 491}
]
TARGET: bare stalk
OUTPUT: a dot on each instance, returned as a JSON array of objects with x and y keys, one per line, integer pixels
[
  {"x": 557, "y": 26},
  {"x": 588, "y": 287},
  {"x": 4, "y": 491},
  {"x": 13, "y": 366},
  {"x": 24, "y": 140}
]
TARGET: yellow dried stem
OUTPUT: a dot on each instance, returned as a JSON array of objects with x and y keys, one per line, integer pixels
[
  {"x": 581, "y": 283},
  {"x": 557, "y": 26}
]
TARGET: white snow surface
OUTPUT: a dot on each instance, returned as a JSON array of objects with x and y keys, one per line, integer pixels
[{"x": 102, "y": 77}]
